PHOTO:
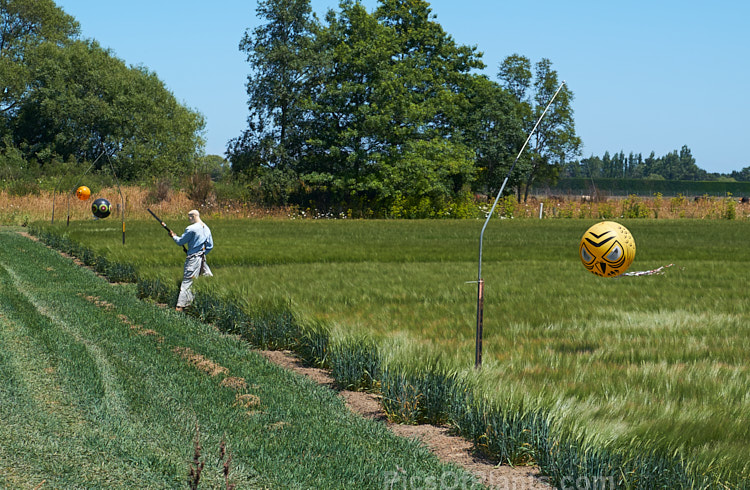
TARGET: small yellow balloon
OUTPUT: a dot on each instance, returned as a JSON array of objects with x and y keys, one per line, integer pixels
[
  {"x": 83, "y": 193},
  {"x": 607, "y": 249}
]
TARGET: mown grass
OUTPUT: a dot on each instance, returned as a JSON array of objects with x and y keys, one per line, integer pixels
[
  {"x": 642, "y": 377},
  {"x": 100, "y": 390}
]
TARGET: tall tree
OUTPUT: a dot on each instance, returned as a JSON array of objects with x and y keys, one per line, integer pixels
[
  {"x": 494, "y": 129},
  {"x": 392, "y": 98},
  {"x": 63, "y": 98},
  {"x": 281, "y": 56},
  {"x": 515, "y": 71},
  {"x": 430, "y": 73},
  {"x": 25, "y": 26},
  {"x": 430, "y": 89},
  {"x": 83, "y": 100},
  {"x": 741, "y": 175},
  {"x": 651, "y": 166},
  {"x": 688, "y": 169},
  {"x": 555, "y": 140},
  {"x": 348, "y": 119}
]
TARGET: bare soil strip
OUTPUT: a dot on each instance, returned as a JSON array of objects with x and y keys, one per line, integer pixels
[{"x": 449, "y": 448}]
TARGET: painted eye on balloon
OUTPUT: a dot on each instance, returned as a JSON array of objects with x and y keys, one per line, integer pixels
[
  {"x": 614, "y": 254},
  {"x": 585, "y": 255}
]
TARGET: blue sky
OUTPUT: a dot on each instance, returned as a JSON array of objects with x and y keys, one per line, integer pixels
[{"x": 646, "y": 75}]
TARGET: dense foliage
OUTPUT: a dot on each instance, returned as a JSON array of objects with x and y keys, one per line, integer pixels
[
  {"x": 66, "y": 99},
  {"x": 554, "y": 142},
  {"x": 673, "y": 166},
  {"x": 384, "y": 111}
]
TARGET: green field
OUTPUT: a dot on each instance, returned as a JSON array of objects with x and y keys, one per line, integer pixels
[
  {"x": 652, "y": 365},
  {"x": 101, "y": 390}
]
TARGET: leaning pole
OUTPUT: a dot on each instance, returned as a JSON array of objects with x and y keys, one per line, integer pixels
[{"x": 480, "y": 281}]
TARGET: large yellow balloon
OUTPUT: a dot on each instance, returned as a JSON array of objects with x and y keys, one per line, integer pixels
[
  {"x": 607, "y": 249},
  {"x": 83, "y": 193}
]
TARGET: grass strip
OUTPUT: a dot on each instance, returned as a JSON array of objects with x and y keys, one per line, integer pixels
[{"x": 133, "y": 382}]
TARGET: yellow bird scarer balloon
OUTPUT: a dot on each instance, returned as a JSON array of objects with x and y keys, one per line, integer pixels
[{"x": 607, "y": 249}]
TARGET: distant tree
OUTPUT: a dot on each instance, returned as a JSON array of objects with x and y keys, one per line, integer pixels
[
  {"x": 555, "y": 140},
  {"x": 215, "y": 166},
  {"x": 494, "y": 129},
  {"x": 619, "y": 165},
  {"x": 608, "y": 170},
  {"x": 635, "y": 166},
  {"x": 741, "y": 175},
  {"x": 572, "y": 169},
  {"x": 688, "y": 170},
  {"x": 676, "y": 165},
  {"x": 591, "y": 167},
  {"x": 651, "y": 166}
]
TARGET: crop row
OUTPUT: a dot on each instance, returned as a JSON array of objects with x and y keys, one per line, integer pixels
[{"x": 101, "y": 390}]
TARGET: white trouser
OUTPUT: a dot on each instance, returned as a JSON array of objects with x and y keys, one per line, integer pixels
[{"x": 195, "y": 265}]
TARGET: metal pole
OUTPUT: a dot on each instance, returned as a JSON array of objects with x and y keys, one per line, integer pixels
[{"x": 480, "y": 281}]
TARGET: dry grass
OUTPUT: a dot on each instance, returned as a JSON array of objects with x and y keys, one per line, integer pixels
[
  {"x": 21, "y": 210},
  {"x": 169, "y": 203},
  {"x": 200, "y": 362},
  {"x": 659, "y": 207}
]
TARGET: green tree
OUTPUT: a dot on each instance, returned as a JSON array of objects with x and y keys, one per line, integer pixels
[
  {"x": 635, "y": 166},
  {"x": 555, "y": 140},
  {"x": 215, "y": 166},
  {"x": 430, "y": 72},
  {"x": 591, "y": 167},
  {"x": 494, "y": 129},
  {"x": 348, "y": 119},
  {"x": 688, "y": 169},
  {"x": 515, "y": 71},
  {"x": 431, "y": 174},
  {"x": 282, "y": 59},
  {"x": 83, "y": 100},
  {"x": 25, "y": 26},
  {"x": 741, "y": 175},
  {"x": 607, "y": 166},
  {"x": 651, "y": 166},
  {"x": 62, "y": 98},
  {"x": 394, "y": 90},
  {"x": 428, "y": 100}
]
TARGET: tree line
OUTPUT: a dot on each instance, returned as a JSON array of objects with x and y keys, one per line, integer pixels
[
  {"x": 383, "y": 111},
  {"x": 676, "y": 165},
  {"x": 376, "y": 111},
  {"x": 379, "y": 111}
]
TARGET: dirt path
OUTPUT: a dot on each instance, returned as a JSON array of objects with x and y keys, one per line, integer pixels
[{"x": 449, "y": 448}]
